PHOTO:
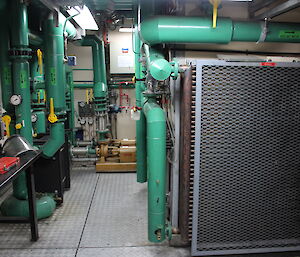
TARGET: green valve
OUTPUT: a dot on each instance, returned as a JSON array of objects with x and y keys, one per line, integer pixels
[
  {"x": 290, "y": 34},
  {"x": 52, "y": 76},
  {"x": 23, "y": 82}
]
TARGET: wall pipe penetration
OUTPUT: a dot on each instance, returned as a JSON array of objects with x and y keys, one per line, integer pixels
[{"x": 183, "y": 30}]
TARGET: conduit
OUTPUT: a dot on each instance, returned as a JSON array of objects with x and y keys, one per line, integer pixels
[{"x": 183, "y": 30}]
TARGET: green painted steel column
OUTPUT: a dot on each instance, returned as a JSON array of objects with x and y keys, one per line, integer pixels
[
  {"x": 5, "y": 63},
  {"x": 141, "y": 149},
  {"x": 156, "y": 162},
  {"x": 183, "y": 30}
]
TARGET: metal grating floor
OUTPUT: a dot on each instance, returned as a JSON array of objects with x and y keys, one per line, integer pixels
[{"x": 103, "y": 215}]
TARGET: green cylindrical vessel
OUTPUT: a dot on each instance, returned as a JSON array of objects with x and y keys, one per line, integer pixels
[
  {"x": 174, "y": 29},
  {"x": 183, "y": 30},
  {"x": 156, "y": 166},
  {"x": 55, "y": 77}
]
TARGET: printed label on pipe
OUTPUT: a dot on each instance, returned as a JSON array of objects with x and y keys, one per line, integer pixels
[
  {"x": 289, "y": 34},
  {"x": 7, "y": 75},
  {"x": 23, "y": 81},
  {"x": 52, "y": 76}
]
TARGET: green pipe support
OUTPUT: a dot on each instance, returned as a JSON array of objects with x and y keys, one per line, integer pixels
[
  {"x": 5, "y": 64},
  {"x": 156, "y": 168},
  {"x": 56, "y": 140},
  {"x": 183, "y": 30},
  {"x": 141, "y": 151}
]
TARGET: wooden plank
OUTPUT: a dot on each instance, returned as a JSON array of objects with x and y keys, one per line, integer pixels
[{"x": 115, "y": 167}]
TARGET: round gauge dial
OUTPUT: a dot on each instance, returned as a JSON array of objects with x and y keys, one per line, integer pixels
[
  {"x": 82, "y": 121},
  {"x": 33, "y": 117},
  {"x": 15, "y": 100},
  {"x": 90, "y": 121},
  {"x": 82, "y": 104}
]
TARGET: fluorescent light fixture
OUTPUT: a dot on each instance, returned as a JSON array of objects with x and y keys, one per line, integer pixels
[
  {"x": 84, "y": 19},
  {"x": 128, "y": 30}
]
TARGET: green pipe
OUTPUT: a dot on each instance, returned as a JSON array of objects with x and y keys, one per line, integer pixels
[
  {"x": 5, "y": 64},
  {"x": 156, "y": 162},
  {"x": 183, "y": 30},
  {"x": 83, "y": 86},
  {"x": 72, "y": 106},
  {"x": 55, "y": 78},
  {"x": 158, "y": 66},
  {"x": 141, "y": 151},
  {"x": 13, "y": 207},
  {"x": 56, "y": 140},
  {"x": 34, "y": 39}
]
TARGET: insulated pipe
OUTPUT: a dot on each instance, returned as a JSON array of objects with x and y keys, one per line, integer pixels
[
  {"x": 56, "y": 140},
  {"x": 183, "y": 30},
  {"x": 5, "y": 64},
  {"x": 100, "y": 83},
  {"x": 156, "y": 167},
  {"x": 141, "y": 150},
  {"x": 34, "y": 39}
]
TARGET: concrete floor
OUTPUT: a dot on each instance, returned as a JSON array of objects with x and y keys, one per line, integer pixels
[{"x": 103, "y": 215}]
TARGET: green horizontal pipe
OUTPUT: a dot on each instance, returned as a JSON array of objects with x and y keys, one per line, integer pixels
[
  {"x": 156, "y": 168},
  {"x": 83, "y": 69},
  {"x": 71, "y": 30},
  {"x": 12, "y": 206},
  {"x": 183, "y": 30},
  {"x": 83, "y": 86},
  {"x": 56, "y": 140}
]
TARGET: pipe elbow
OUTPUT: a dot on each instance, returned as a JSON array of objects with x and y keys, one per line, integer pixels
[{"x": 56, "y": 140}]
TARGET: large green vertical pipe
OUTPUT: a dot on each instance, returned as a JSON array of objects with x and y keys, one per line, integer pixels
[
  {"x": 141, "y": 152},
  {"x": 21, "y": 83},
  {"x": 5, "y": 63},
  {"x": 183, "y": 30},
  {"x": 156, "y": 162},
  {"x": 55, "y": 78},
  {"x": 55, "y": 81}
]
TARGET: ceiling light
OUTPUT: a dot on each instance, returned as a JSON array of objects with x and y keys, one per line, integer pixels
[
  {"x": 84, "y": 19},
  {"x": 129, "y": 30}
]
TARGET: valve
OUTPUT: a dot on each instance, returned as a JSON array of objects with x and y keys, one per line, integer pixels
[
  {"x": 52, "y": 116},
  {"x": 18, "y": 126},
  {"x": 7, "y": 119},
  {"x": 215, "y": 4},
  {"x": 40, "y": 60}
]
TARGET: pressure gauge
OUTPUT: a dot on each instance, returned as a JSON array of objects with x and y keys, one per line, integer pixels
[
  {"x": 81, "y": 104},
  {"x": 90, "y": 121},
  {"x": 82, "y": 121},
  {"x": 15, "y": 100},
  {"x": 33, "y": 117}
]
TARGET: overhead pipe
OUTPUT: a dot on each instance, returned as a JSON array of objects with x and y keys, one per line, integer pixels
[
  {"x": 184, "y": 30},
  {"x": 156, "y": 168},
  {"x": 141, "y": 150},
  {"x": 100, "y": 84}
]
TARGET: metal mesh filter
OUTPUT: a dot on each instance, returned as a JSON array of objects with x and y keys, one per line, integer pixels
[{"x": 247, "y": 159}]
